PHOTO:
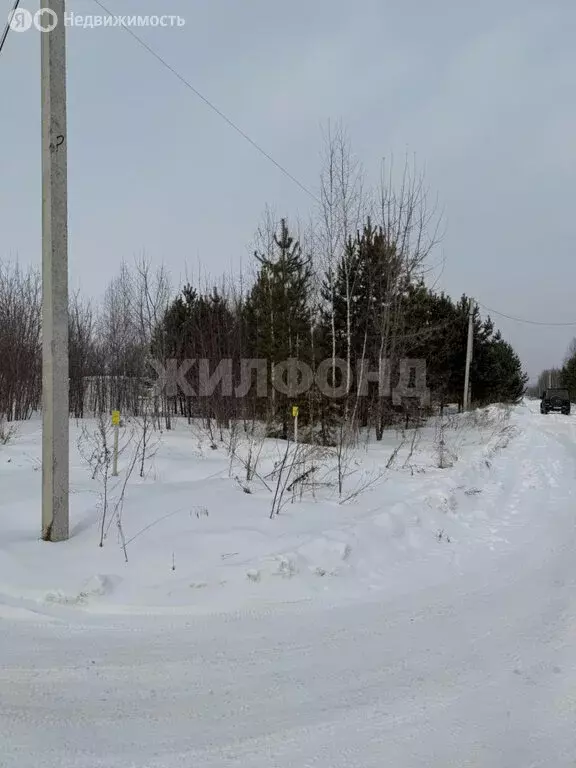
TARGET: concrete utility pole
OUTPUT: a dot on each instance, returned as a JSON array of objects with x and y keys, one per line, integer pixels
[
  {"x": 466, "y": 398},
  {"x": 55, "y": 437},
  {"x": 550, "y": 379}
]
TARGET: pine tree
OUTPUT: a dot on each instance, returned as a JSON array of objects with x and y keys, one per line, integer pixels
[
  {"x": 199, "y": 327},
  {"x": 359, "y": 318},
  {"x": 569, "y": 371},
  {"x": 435, "y": 330},
  {"x": 278, "y": 314}
]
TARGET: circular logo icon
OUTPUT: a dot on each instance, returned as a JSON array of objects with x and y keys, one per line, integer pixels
[
  {"x": 20, "y": 20},
  {"x": 45, "y": 20}
]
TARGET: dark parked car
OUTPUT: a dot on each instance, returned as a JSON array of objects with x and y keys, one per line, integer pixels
[{"x": 555, "y": 400}]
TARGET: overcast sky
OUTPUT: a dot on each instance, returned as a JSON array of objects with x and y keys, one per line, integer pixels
[{"x": 482, "y": 93}]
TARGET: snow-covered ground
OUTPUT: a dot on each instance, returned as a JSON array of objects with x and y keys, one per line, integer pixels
[
  {"x": 428, "y": 621},
  {"x": 196, "y": 541}
]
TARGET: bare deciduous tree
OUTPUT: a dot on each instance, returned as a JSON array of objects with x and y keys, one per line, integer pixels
[{"x": 20, "y": 350}]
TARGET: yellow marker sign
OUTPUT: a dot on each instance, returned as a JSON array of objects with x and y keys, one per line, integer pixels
[
  {"x": 295, "y": 411},
  {"x": 115, "y": 418}
]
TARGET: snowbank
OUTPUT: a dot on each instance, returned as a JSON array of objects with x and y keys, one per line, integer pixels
[{"x": 200, "y": 538}]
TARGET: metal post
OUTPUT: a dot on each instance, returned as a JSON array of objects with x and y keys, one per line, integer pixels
[
  {"x": 295, "y": 410},
  {"x": 55, "y": 437},
  {"x": 115, "y": 454},
  {"x": 466, "y": 398}
]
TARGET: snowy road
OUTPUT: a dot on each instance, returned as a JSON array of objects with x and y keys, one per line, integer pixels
[{"x": 479, "y": 671}]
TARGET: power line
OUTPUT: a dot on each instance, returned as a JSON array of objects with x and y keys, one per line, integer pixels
[
  {"x": 211, "y": 105},
  {"x": 524, "y": 320},
  {"x": 257, "y": 147},
  {"x": 7, "y": 27}
]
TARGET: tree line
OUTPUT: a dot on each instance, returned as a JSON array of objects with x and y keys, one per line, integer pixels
[
  {"x": 562, "y": 376},
  {"x": 345, "y": 298}
]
